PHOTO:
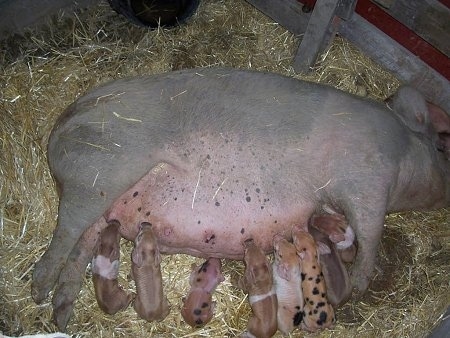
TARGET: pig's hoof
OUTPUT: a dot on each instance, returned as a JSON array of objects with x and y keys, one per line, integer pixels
[
  {"x": 359, "y": 281},
  {"x": 62, "y": 314},
  {"x": 41, "y": 285},
  {"x": 63, "y": 301}
]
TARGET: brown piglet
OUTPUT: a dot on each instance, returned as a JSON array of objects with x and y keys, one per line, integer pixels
[
  {"x": 339, "y": 232},
  {"x": 287, "y": 280},
  {"x": 150, "y": 303},
  {"x": 257, "y": 282},
  {"x": 111, "y": 298}
]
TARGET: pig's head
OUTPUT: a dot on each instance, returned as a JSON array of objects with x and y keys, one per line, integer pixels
[
  {"x": 146, "y": 250},
  {"x": 306, "y": 246},
  {"x": 285, "y": 256},
  {"x": 108, "y": 245},
  {"x": 206, "y": 276},
  {"x": 332, "y": 225},
  {"x": 337, "y": 229},
  {"x": 257, "y": 269},
  {"x": 198, "y": 307},
  {"x": 431, "y": 121}
]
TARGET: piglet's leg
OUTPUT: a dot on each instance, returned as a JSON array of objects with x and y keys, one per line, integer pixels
[{"x": 71, "y": 277}]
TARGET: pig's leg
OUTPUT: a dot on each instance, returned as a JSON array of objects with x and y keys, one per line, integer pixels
[
  {"x": 72, "y": 274},
  {"x": 367, "y": 221},
  {"x": 73, "y": 219}
]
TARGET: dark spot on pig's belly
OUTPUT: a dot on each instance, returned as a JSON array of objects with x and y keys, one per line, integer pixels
[{"x": 186, "y": 219}]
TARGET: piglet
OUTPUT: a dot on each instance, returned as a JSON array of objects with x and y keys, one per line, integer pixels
[
  {"x": 319, "y": 313},
  {"x": 111, "y": 298},
  {"x": 257, "y": 282},
  {"x": 198, "y": 307},
  {"x": 339, "y": 232},
  {"x": 287, "y": 280},
  {"x": 150, "y": 303},
  {"x": 334, "y": 271}
]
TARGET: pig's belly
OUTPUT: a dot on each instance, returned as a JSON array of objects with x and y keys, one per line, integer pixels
[{"x": 207, "y": 215}]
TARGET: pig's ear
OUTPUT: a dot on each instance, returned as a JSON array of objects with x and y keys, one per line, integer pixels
[
  {"x": 220, "y": 277},
  {"x": 157, "y": 257},
  {"x": 136, "y": 257},
  {"x": 337, "y": 237},
  {"x": 323, "y": 249},
  {"x": 439, "y": 118},
  {"x": 301, "y": 255},
  {"x": 339, "y": 287},
  {"x": 283, "y": 271},
  {"x": 193, "y": 276},
  {"x": 410, "y": 106},
  {"x": 440, "y": 122}
]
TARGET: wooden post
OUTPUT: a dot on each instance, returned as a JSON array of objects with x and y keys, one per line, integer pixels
[{"x": 317, "y": 36}]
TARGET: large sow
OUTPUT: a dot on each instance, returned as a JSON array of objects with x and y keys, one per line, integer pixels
[{"x": 213, "y": 157}]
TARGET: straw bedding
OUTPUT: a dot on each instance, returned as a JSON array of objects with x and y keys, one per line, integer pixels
[{"x": 47, "y": 69}]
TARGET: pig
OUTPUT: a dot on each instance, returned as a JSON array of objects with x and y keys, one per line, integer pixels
[
  {"x": 110, "y": 296},
  {"x": 318, "y": 312},
  {"x": 198, "y": 307},
  {"x": 212, "y": 157},
  {"x": 287, "y": 280},
  {"x": 258, "y": 283},
  {"x": 150, "y": 303},
  {"x": 339, "y": 232}
]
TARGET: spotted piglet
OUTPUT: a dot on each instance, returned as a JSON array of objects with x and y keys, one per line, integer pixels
[
  {"x": 287, "y": 280},
  {"x": 111, "y": 298},
  {"x": 257, "y": 282},
  {"x": 319, "y": 313},
  {"x": 198, "y": 307},
  {"x": 150, "y": 303}
]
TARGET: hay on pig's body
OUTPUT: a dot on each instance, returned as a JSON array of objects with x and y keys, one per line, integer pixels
[{"x": 58, "y": 64}]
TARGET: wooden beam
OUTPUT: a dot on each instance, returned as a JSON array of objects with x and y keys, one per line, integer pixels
[
  {"x": 288, "y": 13},
  {"x": 429, "y": 19},
  {"x": 317, "y": 36},
  {"x": 405, "y": 36},
  {"x": 397, "y": 59}
]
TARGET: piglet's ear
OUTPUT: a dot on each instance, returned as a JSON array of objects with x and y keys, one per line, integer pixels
[
  {"x": 136, "y": 257},
  {"x": 301, "y": 254},
  {"x": 283, "y": 271},
  {"x": 157, "y": 257},
  {"x": 323, "y": 249}
]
